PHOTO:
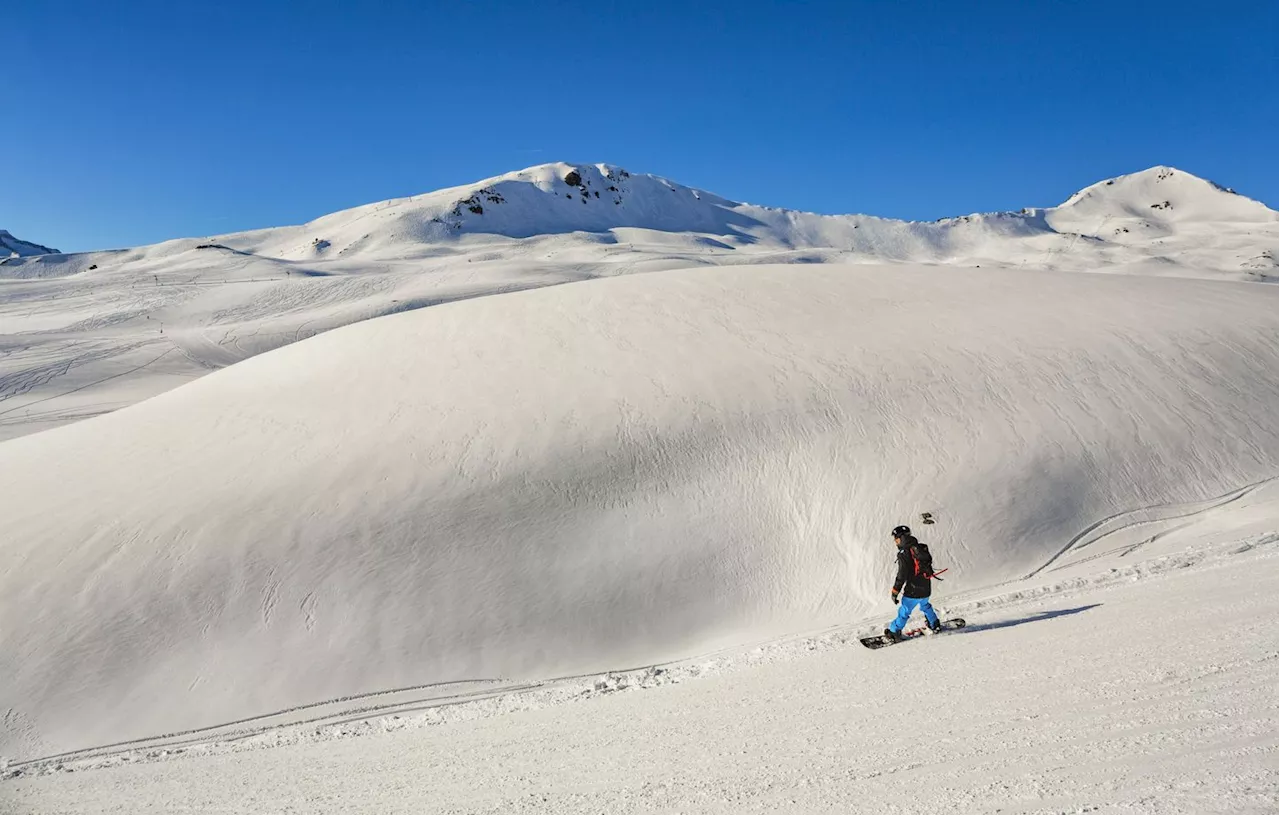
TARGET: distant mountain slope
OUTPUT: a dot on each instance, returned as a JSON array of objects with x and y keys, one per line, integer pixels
[
  {"x": 1122, "y": 224},
  {"x": 564, "y": 199},
  {"x": 88, "y": 333},
  {"x": 1161, "y": 196},
  {"x": 12, "y": 247}
]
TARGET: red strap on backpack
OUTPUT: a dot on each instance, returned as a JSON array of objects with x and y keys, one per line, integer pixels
[{"x": 915, "y": 562}]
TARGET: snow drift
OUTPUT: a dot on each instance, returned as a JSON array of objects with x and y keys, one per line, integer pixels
[
  {"x": 89, "y": 333},
  {"x": 597, "y": 476}
]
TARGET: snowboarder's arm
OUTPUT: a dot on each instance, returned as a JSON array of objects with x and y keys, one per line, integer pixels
[{"x": 904, "y": 571}]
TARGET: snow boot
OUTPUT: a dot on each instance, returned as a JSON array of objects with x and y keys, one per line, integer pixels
[
  {"x": 890, "y": 634},
  {"x": 936, "y": 627}
]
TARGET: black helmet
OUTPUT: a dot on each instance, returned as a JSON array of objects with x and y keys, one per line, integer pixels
[{"x": 901, "y": 531}]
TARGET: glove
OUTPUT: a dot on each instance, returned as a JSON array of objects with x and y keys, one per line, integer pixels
[{"x": 894, "y": 595}]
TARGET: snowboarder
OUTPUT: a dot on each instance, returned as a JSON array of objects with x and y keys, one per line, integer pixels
[{"x": 915, "y": 568}]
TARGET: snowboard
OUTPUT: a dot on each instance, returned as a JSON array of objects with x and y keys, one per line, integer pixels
[{"x": 880, "y": 640}]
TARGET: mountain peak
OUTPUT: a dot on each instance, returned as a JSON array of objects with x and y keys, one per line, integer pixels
[
  {"x": 13, "y": 247},
  {"x": 546, "y": 199},
  {"x": 1165, "y": 195}
]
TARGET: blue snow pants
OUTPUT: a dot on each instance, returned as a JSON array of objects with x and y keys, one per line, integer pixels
[{"x": 908, "y": 605}]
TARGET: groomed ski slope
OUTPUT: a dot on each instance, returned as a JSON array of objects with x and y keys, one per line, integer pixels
[
  {"x": 1136, "y": 675},
  {"x": 599, "y": 476}
]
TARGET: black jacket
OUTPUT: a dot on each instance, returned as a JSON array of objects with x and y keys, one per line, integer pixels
[{"x": 907, "y": 581}]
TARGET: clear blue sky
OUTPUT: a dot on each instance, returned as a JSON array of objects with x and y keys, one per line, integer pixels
[{"x": 133, "y": 122}]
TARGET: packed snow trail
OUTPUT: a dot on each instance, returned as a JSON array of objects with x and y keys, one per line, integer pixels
[
  {"x": 613, "y": 473},
  {"x": 1128, "y": 686}
]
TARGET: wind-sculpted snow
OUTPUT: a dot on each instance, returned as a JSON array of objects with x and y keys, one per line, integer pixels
[
  {"x": 85, "y": 334},
  {"x": 598, "y": 476}
]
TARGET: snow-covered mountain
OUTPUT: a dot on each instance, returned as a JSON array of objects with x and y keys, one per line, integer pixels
[
  {"x": 11, "y": 247},
  {"x": 607, "y": 205},
  {"x": 608, "y": 434},
  {"x": 88, "y": 333},
  {"x": 1125, "y": 223},
  {"x": 1160, "y": 195}
]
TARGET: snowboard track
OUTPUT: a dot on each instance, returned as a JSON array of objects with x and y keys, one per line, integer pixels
[
  {"x": 497, "y": 696},
  {"x": 1131, "y": 518}
]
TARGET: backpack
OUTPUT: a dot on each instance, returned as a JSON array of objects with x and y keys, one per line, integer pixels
[{"x": 922, "y": 560}]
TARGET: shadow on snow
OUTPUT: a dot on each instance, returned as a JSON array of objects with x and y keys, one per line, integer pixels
[{"x": 1034, "y": 618}]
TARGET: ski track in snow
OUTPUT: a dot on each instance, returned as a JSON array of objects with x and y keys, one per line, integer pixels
[
  {"x": 465, "y": 700},
  {"x": 1138, "y": 704},
  {"x": 1123, "y": 521},
  {"x": 447, "y": 703}
]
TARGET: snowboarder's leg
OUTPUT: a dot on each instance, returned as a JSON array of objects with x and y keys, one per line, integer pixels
[
  {"x": 905, "y": 606},
  {"x": 929, "y": 613}
]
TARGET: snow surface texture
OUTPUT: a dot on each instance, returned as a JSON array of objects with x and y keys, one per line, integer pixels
[
  {"x": 1136, "y": 674},
  {"x": 85, "y": 334},
  {"x": 610, "y": 474}
]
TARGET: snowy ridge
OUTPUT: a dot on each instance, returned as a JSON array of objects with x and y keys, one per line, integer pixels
[
  {"x": 606, "y": 206},
  {"x": 92, "y": 332},
  {"x": 604, "y": 200},
  {"x": 1163, "y": 195},
  {"x": 11, "y": 247},
  {"x": 616, "y": 473}
]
